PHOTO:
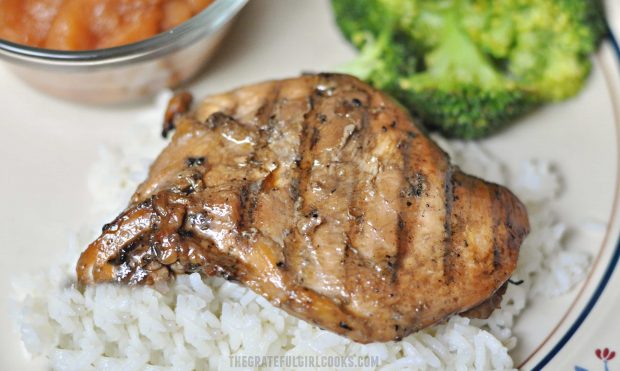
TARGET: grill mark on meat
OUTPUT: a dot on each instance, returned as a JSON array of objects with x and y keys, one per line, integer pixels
[
  {"x": 293, "y": 256},
  {"x": 359, "y": 144},
  {"x": 244, "y": 194},
  {"x": 449, "y": 254},
  {"x": 402, "y": 230},
  {"x": 401, "y": 241},
  {"x": 495, "y": 215},
  {"x": 316, "y": 135},
  {"x": 264, "y": 114},
  {"x": 333, "y": 164},
  {"x": 307, "y": 241},
  {"x": 305, "y": 151}
]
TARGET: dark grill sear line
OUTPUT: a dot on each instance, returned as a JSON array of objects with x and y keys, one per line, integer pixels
[
  {"x": 264, "y": 121},
  {"x": 449, "y": 248}
]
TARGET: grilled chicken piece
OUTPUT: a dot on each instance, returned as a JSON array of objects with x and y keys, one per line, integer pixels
[{"x": 320, "y": 194}]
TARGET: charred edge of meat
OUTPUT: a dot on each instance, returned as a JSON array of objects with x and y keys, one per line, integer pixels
[
  {"x": 189, "y": 183},
  {"x": 184, "y": 233},
  {"x": 179, "y": 104},
  {"x": 324, "y": 90},
  {"x": 328, "y": 75},
  {"x": 218, "y": 119},
  {"x": 123, "y": 255},
  {"x": 195, "y": 161},
  {"x": 345, "y": 326},
  {"x": 485, "y": 308},
  {"x": 148, "y": 203},
  {"x": 106, "y": 227},
  {"x": 399, "y": 332}
]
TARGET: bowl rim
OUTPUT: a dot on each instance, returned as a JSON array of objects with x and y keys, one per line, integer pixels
[{"x": 208, "y": 21}]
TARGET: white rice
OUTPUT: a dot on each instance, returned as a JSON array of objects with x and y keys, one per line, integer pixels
[{"x": 199, "y": 323}]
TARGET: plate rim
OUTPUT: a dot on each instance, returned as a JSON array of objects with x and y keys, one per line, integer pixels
[{"x": 608, "y": 272}]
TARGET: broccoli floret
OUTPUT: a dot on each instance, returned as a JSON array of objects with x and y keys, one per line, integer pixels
[
  {"x": 469, "y": 112},
  {"x": 382, "y": 59},
  {"x": 385, "y": 53},
  {"x": 469, "y": 67},
  {"x": 357, "y": 18}
]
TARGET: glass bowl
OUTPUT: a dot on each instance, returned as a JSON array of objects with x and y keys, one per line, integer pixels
[{"x": 127, "y": 72}]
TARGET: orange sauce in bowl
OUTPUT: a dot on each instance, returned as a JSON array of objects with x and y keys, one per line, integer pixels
[{"x": 91, "y": 24}]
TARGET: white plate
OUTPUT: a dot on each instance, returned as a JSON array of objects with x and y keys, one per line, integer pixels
[{"x": 47, "y": 146}]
